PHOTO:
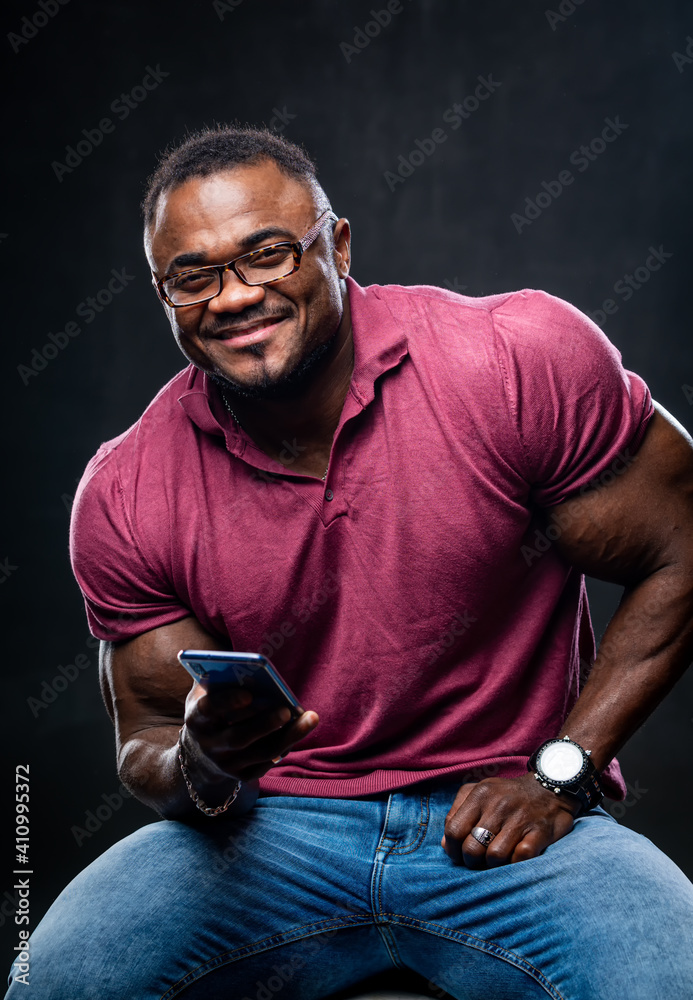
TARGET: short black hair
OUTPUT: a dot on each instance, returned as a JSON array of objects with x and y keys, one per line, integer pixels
[{"x": 223, "y": 147}]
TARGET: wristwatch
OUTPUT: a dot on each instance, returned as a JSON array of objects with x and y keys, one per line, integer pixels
[{"x": 562, "y": 765}]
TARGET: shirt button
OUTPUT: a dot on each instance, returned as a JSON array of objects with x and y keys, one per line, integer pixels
[{"x": 329, "y": 495}]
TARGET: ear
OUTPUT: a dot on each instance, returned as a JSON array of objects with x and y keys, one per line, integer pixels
[{"x": 342, "y": 247}]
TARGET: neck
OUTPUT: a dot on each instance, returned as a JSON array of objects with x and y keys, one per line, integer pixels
[{"x": 298, "y": 432}]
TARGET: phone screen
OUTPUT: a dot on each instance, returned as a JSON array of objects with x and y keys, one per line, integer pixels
[{"x": 249, "y": 670}]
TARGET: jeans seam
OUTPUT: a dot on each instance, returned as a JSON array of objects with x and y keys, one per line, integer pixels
[
  {"x": 480, "y": 944},
  {"x": 422, "y": 828},
  {"x": 265, "y": 944}
]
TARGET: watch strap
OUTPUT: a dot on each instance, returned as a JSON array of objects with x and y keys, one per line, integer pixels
[{"x": 589, "y": 789}]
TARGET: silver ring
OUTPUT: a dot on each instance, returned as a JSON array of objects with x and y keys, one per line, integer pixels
[{"x": 483, "y": 835}]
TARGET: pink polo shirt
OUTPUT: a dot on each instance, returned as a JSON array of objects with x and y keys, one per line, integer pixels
[{"x": 413, "y": 599}]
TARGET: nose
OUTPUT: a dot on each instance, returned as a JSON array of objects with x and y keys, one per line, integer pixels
[{"x": 235, "y": 296}]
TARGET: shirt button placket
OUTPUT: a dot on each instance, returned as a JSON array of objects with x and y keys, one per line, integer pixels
[{"x": 329, "y": 495}]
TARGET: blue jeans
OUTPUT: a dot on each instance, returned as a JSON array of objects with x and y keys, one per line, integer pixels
[{"x": 304, "y": 896}]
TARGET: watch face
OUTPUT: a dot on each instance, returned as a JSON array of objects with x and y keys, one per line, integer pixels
[{"x": 560, "y": 761}]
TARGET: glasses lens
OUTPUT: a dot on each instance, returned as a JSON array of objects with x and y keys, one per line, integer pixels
[
  {"x": 192, "y": 286},
  {"x": 267, "y": 264}
]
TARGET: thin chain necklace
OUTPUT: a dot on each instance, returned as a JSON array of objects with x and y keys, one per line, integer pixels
[{"x": 228, "y": 407}]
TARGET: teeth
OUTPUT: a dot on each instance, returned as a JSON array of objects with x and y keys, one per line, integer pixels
[{"x": 252, "y": 329}]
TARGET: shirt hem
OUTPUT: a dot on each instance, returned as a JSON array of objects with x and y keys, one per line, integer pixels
[{"x": 388, "y": 781}]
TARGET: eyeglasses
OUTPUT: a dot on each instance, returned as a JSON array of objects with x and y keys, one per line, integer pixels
[{"x": 259, "y": 267}]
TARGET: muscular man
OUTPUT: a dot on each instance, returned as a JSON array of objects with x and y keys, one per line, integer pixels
[{"x": 393, "y": 492}]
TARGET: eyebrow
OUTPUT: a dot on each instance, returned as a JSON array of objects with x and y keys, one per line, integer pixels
[{"x": 194, "y": 258}]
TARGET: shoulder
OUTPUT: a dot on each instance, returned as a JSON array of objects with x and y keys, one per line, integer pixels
[
  {"x": 533, "y": 323},
  {"x": 116, "y": 458},
  {"x": 440, "y": 323},
  {"x": 433, "y": 302},
  {"x": 529, "y": 316},
  {"x": 524, "y": 329}
]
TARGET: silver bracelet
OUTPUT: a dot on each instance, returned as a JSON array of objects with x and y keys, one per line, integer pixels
[{"x": 207, "y": 810}]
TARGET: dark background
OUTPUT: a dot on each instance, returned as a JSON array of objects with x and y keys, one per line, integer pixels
[{"x": 448, "y": 224}]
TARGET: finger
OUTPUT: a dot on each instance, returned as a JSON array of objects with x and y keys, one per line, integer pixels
[
  {"x": 531, "y": 846},
  {"x": 243, "y": 734},
  {"x": 501, "y": 849},
  {"x": 520, "y": 843},
  {"x": 536, "y": 839},
  {"x": 269, "y": 734},
  {"x": 461, "y": 796},
  {"x": 289, "y": 736},
  {"x": 217, "y": 704},
  {"x": 457, "y": 828},
  {"x": 473, "y": 851},
  {"x": 257, "y": 756}
]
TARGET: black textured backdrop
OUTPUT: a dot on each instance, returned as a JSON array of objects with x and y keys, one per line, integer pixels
[{"x": 359, "y": 100}]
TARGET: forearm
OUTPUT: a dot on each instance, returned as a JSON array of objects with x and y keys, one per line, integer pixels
[
  {"x": 645, "y": 650},
  {"x": 148, "y": 765}
]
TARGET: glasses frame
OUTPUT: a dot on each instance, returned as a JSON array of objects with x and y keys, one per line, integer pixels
[{"x": 298, "y": 249}]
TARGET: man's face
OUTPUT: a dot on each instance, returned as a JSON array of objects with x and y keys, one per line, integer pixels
[{"x": 255, "y": 337}]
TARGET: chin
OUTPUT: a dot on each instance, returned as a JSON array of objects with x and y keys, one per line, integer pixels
[{"x": 287, "y": 384}]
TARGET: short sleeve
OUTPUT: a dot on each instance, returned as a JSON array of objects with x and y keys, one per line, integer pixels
[
  {"x": 124, "y": 597},
  {"x": 576, "y": 411}
]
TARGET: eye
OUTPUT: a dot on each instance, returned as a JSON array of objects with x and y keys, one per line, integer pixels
[
  {"x": 191, "y": 281},
  {"x": 269, "y": 257}
]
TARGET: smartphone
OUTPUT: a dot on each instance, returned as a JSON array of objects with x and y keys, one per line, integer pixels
[{"x": 211, "y": 667}]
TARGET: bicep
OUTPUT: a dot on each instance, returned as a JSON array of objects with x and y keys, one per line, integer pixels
[
  {"x": 143, "y": 684},
  {"x": 642, "y": 519}
]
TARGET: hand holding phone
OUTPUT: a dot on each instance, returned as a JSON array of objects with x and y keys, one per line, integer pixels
[
  {"x": 240, "y": 717},
  {"x": 251, "y": 671}
]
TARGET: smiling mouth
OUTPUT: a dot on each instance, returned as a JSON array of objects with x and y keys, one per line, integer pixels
[{"x": 250, "y": 329}]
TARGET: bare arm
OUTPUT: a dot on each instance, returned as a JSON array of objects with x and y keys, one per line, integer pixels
[
  {"x": 637, "y": 532},
  {"x": 149, "y": 697}
]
